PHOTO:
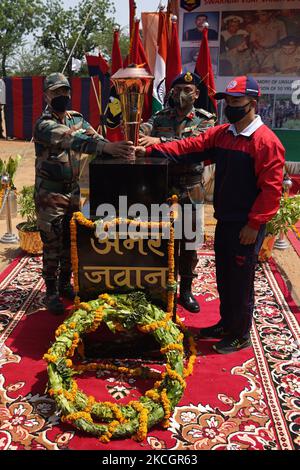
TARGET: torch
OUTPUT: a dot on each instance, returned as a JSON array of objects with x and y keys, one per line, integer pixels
[{"x": 132, "y": 84}]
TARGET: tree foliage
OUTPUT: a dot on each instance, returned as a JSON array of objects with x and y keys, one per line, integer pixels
[
  {"x": 33, "y": 61},
  {"x": 17, "y": 18},
  {"x": 61, "y": 28},
  {"x": 105, "y": 41},
  {"x": 55, "y": 30}
]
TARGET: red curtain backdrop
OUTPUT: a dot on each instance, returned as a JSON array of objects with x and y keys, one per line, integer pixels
[{"x": 24, "y": 103}]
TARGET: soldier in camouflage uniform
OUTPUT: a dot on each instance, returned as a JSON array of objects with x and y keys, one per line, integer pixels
[
  {"x": 179, "y": 120},
  {"x": 60, "y": 137}
]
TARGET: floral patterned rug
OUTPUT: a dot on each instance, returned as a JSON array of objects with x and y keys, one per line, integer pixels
[{"x": 247, "y": 400}]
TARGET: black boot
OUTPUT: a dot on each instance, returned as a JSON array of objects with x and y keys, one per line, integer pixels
[
  {"x": 186, "y": 298},
  {"x": 65, "y": 287},
  {"x": 52, "y": 300}
]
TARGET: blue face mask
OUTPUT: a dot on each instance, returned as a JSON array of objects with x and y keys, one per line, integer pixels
[
  {"x": 60, "y": 103},
  {"x": 236, "y": 113}
]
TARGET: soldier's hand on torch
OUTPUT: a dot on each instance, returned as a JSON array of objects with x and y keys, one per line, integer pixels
[
  {"x": 140, "y": 151},
  {"x": 123, "y": 149},
  {"x": 147, "y": 140}
]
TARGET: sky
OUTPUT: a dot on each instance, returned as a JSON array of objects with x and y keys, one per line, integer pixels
[{"x": 122, "y": 8}]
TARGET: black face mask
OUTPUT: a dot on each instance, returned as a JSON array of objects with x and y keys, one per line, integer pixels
[
  {"x": 236, "y": 113},
  {"x": 60, "y": 103}
]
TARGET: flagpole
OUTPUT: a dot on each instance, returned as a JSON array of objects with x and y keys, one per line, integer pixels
[
  {"x": 103, "y": 130},
  {"x": 98, "y": 102}
]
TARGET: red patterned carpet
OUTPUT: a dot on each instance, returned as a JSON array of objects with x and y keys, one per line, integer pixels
[
  {"x": 246, "y": 400},
  {"x": 294, "y": 237}
]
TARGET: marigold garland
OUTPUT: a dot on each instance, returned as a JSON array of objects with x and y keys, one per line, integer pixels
[
  {"x": 116, "y": 411},
  {"x": 75, "y": 416},
  {"x": 296, "y": 231},
  {"x": 131, "y": 372},
  {"x": 74, "y": 345},
  {"x": 143, "y": 420},
  {"x": 153, "y": 394},
  {"x": 50, "y": 358},
  {"x": 192, "y": 359},
  {"x": 166, "y": 406},
  {"x": 72, "y": 394},
  {"x": 122, "y": 420},
  {"x": 97, "y": 320},
  {"x": 110, "y": 430},
  {"x": 158, "y": 402},
  {"x": 172, "y": 347}
]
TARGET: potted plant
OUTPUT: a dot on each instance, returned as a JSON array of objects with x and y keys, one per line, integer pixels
[
  {"x": 9, "y": 168},
  {"x": 287, "y": 216},
  {"x": 30, "y": 240}
]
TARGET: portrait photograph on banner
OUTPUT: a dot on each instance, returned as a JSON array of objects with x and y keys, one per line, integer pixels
[
  {"x": 189, "y": 57},
  {"x": 260, "y": 42},
  {"x": 193, "y": 24}
]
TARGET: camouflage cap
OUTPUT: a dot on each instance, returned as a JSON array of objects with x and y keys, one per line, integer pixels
[{"x": 56, "y": 80}]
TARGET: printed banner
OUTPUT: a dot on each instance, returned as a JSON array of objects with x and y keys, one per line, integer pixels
[{"x": 259, "y": 38}]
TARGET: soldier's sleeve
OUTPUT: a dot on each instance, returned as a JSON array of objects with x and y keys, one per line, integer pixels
[
  {"x": 146, "y": 127},
  {"x": 93, "y": 133},
  {"x": 50, "y": 132}
]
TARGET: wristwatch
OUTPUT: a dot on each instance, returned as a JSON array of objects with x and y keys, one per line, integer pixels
[{"x": 163, "y": 139}]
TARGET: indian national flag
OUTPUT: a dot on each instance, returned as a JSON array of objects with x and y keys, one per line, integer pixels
[{"x": 159, "y": 85}]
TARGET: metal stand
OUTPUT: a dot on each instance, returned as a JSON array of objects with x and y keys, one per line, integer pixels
[
  {"x": 9, "y": 236},
  {"x": 281, "y": 243}
]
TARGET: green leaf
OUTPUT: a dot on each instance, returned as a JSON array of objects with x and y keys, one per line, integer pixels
[{"x": 287, "y": 215}]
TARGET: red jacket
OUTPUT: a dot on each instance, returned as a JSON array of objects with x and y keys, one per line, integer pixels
[{"x": 249, "y": 170}]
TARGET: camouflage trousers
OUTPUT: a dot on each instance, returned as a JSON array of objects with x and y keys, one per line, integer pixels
[
  {"x": 188, "y": 258},
  {"x": 54, "y": 212}
]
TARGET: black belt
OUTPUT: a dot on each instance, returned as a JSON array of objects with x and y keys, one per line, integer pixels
[{"x": 59, "y": 186}]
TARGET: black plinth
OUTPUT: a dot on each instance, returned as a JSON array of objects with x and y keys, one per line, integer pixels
[
  {"x": 144, "y": 181},
  {"x": 122, "y": 267}
]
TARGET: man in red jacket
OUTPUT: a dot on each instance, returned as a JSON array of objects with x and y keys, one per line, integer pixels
[{"x": 249, "y": 162}]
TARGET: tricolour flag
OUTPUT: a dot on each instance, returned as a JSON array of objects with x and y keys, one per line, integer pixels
[{"x": 159, "y": 85}]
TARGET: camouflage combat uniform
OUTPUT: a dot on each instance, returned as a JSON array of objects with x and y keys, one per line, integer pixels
[
  {"x": 58, "y": 148},
  {"x": 185, "y": 180}
]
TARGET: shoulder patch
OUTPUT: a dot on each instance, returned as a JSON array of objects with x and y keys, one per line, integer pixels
[
  {"x": 45, "y": 115},
  {"x": 163, "y": 111},
  {"x": 205, "y": 113}
]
